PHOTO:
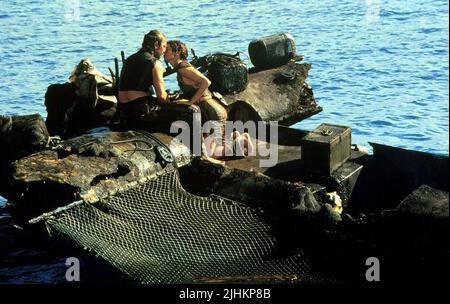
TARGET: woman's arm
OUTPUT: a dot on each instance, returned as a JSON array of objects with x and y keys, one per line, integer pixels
[
  {"x": 158, "y": 82},
  {"x": 197, "y": 78}
]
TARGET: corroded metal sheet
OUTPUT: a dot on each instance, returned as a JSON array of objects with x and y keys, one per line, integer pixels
[{"x": 280, "y": 94}]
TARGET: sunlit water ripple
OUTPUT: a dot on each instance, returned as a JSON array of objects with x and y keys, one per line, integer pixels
[{"x": 383, "y": 70}]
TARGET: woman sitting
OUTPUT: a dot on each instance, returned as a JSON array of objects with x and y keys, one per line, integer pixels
[{"x": 194, "y": 86}]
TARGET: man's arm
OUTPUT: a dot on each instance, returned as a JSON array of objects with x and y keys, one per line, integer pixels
[{"x": 158, "y": 82}]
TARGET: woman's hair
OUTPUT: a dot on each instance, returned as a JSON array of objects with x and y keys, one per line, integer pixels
[
  {"x": 178, "y": 47},
  {"x": 150, "y": 38}
]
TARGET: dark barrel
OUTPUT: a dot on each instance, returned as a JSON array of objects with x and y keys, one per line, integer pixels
[{"x": 272, "y": 51}]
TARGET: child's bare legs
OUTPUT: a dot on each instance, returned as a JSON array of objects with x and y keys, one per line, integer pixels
[
  {"x": 248, "y": 145},
  {"x": 212, "y": 150},
  {"x": 244, "y": 143},
  {"x": 213, "y": 160}
]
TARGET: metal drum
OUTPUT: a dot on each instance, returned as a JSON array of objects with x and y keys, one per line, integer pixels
[{"x": 272, "y": 51}]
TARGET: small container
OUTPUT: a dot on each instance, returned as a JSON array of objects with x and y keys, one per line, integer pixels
[
  {"x": 326, "y": 148},
  {"x": 272, "y": 51}
]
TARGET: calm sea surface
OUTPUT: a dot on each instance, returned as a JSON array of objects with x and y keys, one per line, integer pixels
[{"x": 379, "y": 66}]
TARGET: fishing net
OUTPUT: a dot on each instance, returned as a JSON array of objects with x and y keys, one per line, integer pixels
[{"x": 159, "y": 233}]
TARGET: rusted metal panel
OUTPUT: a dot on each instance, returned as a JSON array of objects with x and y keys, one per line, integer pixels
[
  {"x": 89, "y": 167},
  {"x": 280, "y": 94}
]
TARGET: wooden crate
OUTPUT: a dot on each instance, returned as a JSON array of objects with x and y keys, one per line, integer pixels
[{"x": 326, "y": 148}]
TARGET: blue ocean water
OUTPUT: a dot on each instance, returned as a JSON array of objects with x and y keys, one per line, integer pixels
[{"x": 379, "y": 66}]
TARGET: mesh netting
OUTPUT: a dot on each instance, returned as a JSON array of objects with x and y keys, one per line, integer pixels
[{"x": 159, "y": 233}]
